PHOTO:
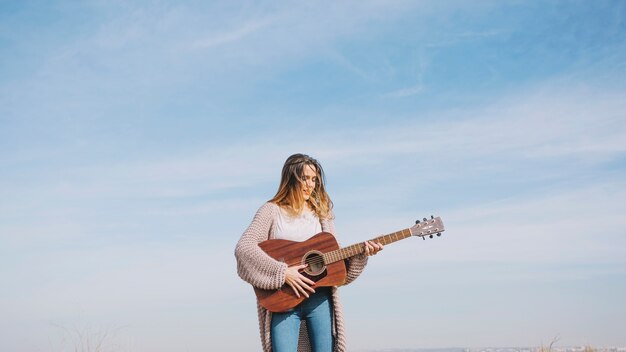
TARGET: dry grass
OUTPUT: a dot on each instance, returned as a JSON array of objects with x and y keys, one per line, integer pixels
[
  {"x": 549, "y": 348},
  {"x": 86, "y": 339}
]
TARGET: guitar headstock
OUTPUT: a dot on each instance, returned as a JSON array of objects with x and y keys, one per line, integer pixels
[{"x": 427, "y": 227}]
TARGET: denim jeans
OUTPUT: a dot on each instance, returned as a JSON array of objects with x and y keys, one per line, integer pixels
[{"x": 317, "y": 312}]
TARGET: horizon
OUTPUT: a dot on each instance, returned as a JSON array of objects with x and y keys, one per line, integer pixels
[{"x": 138, "y": 139}]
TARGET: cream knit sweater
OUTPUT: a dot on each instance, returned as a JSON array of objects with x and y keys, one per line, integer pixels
[{"x": 260, "y": 270}]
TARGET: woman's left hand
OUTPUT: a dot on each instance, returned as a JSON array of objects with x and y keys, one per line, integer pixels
[{"x": 372, "y": 248}]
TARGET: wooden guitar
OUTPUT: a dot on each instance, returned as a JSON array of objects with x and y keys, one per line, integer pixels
[{"x": 325, "y": 260}]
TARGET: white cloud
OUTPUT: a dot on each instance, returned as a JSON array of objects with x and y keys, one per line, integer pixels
[
  {"x": 405, "y": 92},
  {"x": 234, "y": 35},
  {"x": 557, "y": 131}
]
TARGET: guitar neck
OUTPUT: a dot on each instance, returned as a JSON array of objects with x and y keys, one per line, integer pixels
[{"x": 358, "y": 248}]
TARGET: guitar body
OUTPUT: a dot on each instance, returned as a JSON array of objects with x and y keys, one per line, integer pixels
[{"x": 295, "y": 253}]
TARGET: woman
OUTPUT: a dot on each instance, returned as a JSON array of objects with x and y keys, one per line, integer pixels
[{"x": 300, "y": 209}]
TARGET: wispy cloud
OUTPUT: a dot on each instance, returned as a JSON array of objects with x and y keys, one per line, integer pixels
[
  {"x": 234, "y": 35},
  {"x": 405, "y": 92},
  {"x": 557, "y": 133}
]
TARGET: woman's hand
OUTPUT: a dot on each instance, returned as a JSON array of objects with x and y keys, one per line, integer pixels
[
  {"x": 372, "y": 248},
  {"x": 298, "y": 282}
]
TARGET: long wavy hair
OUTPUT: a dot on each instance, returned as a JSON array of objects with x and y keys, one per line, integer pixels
[{"x": 289, "y": 195}]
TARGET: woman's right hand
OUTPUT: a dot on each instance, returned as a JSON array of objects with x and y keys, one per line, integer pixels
[{"x": 298, "y": 282}]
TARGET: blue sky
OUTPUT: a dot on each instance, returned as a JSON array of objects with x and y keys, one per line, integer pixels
[{"x": 137, "y": 139}]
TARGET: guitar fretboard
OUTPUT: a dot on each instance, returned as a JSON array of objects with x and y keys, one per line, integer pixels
[{"x": 358, "y": 248}]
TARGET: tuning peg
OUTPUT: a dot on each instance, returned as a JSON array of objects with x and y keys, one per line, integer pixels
[
  {"x": 438, "y": 234},
  {"x": 432, "y": 216},
  {"x": 417, "y": 222},
  {"x": 425, "y": 219},
  {"x": 424, "y": 238},
  {"x": 431, "y": 236}
]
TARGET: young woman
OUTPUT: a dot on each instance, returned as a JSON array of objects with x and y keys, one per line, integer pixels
[{"x": 300, "y": 209}]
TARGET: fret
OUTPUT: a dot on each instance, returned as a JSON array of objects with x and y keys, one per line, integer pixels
[
  {"x": 358, "y": 248},
  {"x": 393, "y": 237}
]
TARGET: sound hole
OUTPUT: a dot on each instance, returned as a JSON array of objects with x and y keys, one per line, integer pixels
[{"x": 315, "y": 262}]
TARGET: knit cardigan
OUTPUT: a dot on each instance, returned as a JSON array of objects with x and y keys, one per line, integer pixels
[{"x": 260, "y": 270}]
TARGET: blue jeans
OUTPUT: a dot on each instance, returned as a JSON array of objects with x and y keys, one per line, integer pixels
[{"x": 317, "y": 312}]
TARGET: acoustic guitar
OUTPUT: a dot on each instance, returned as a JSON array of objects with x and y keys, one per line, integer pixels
[{"x": 325, "y": 260}]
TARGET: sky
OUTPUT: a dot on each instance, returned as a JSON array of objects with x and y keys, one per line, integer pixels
[{"x": 138, "y": 139}]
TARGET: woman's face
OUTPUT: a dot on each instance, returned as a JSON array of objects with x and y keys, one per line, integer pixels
[{"x": 309, "y": 180}]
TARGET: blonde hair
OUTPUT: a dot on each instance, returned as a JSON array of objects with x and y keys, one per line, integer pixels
[{"x": 289, "y": 194}]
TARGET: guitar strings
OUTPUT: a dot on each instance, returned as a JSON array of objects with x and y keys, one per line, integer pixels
[{"x": 319, "y": 259}]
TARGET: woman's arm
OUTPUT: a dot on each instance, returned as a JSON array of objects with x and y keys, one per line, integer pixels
[{"x": 253, "y": 264}]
